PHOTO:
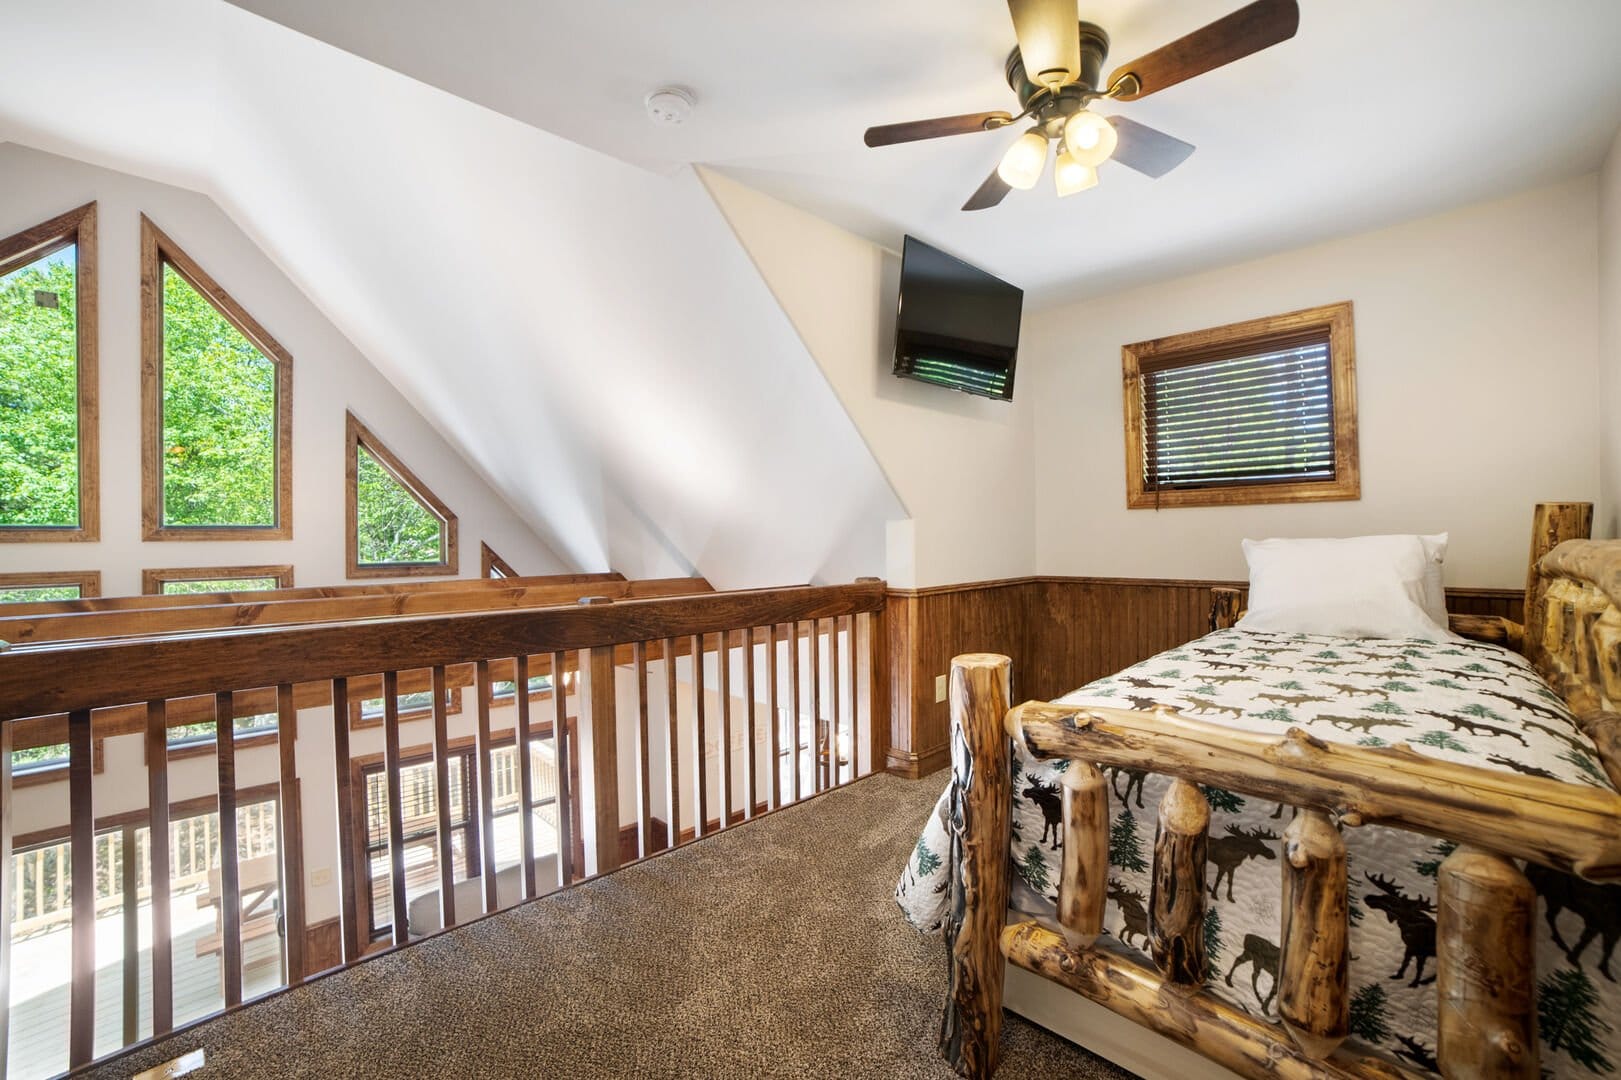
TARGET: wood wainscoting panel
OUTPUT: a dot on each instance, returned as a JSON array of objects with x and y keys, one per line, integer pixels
[{"x": 1062, "y": 633}]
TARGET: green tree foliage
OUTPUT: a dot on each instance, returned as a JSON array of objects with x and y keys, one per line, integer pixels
[
  {"x": 927, "y": 861},
  {"x": 40, "y": 755},
  {"x": 1212, "y": 941},
  {"x": 1125, "y": 850},
  {"x": 1368, "y": 1021},
  {"x": 219, "y": 416},
  {"x": 1587, "y": 764},
  {"x": 1438, "y": 852},
  {"x": 1566, "y": 1018},
  {"x": 1441, "y": 741},
  {"x": 39, "y": 410},
  {"x": 393, "y": 526},
  {"x": 1033, "y": 869},
  {"x": 217, "y": 585},
  {"x": 27, "y": 594}
]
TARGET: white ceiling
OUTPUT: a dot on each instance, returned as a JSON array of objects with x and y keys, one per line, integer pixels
[{"x": 1378, "y": 111}]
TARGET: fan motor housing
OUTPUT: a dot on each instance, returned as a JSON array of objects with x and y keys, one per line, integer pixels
[{"x": 1094, "y": 50}]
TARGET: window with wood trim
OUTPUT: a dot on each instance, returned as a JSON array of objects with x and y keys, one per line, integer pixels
[
  {"x": 414, "y": 705},
  {"x": 395, "y": 526},
  {"x": 28, "y": 588},
  {"x": 186, "y": 581},
  {"x": 49, "y": 487},
  {"x": 216, "y": 408},
  {"x": 1262, "y": 411},
  {"x": 492, "y": 565}
]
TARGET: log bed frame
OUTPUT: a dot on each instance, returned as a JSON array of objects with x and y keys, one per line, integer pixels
[{"x": 1487, "y": 908}]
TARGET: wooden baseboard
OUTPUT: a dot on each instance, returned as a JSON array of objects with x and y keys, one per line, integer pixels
[{"x": 916, "y": 766}]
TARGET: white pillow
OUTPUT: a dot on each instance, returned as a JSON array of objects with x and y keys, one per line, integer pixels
[{"x": 1362, "y": 586}]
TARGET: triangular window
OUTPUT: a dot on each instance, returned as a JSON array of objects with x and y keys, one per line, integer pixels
[{"x": 396, "y": 526}]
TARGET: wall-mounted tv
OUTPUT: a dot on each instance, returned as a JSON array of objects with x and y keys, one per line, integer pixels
[{"x": 956, "y": 325}]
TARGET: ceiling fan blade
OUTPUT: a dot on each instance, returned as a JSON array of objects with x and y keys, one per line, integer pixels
[
  {"x": 1049, "y": 39},
  {"x": 1148, "y": 150},
  {"x": 1248, "y": 30},
  {"x": 991, "y": 192},
  {"x": 913, "y": 130}
]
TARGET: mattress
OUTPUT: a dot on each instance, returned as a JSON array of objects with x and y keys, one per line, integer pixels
[{"x": 1459, "y": 701}]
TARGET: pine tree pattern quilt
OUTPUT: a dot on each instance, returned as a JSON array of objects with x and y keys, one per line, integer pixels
[{"x": 1459, "y": 701}]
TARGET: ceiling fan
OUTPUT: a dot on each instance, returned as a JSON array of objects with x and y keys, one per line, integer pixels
[{"x": 1055, "y": 71}]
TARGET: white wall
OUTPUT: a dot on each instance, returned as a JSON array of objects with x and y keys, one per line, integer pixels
[
  {"x": 1477, "y": 362},
  {"x": 960, "y": 464},
  {"x": 1608, "y": 522},
  {"x": 329, "y": 375}
]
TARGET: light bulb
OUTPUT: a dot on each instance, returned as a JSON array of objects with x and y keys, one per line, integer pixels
[
  {"x": 1089, "y": 138},
  {"x": 1071, "y": 176},
  {"x": 1022, "y": 164}
]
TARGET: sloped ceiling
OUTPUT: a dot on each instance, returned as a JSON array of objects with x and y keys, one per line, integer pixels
[
  {"x": 587, "y": 332},
  {"x": 1378, "y": 111}
]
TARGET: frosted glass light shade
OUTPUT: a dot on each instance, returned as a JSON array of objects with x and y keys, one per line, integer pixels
[
  {"x": 1071, "y": 176},
  {"x": 1089, "y": 138},
  {"x": 1022, "y": 164}
]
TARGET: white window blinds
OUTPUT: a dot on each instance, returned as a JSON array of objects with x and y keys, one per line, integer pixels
[{"x": 1265, "y": 416}]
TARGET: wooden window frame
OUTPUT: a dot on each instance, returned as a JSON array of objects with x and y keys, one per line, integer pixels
[
  {"x": 357, "y": 435},
  {"x": 1235, "y": 339},
  {"x": 359, "y": 721},
  {"x": 157, "y": 249},
  {"x": 491, "y": 565},
  {"x": 152, "y": 581},
  {"x": 76, "y": 228},
  {"x": 88, "y": 581}
]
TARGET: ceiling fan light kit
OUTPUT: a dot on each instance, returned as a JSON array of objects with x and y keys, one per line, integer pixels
[{"x": 1056, "y": 71}]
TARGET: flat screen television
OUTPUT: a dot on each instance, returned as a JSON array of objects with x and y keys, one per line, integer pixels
[{"x": 956, "y": 326}]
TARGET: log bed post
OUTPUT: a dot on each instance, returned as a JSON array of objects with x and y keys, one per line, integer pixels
[
  {"x": 1083, "y": 882},
  {"x": 1552, "y": 523},
  {"x": 1486, "y": 980},
  {"x": 1226, "y": 605},
  {"x": 1176, "y": 900},
  {"x": 980, "y": 801},
  {"x": 1314, "y": 951}
]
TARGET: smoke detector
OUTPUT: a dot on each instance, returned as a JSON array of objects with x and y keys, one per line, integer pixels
[{"x": 669, "y": 106}]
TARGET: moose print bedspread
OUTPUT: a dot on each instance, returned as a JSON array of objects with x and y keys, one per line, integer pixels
[{"x": 1460, "y": 701}]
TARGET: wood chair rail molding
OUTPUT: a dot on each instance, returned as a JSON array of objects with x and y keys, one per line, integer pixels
[
  {"x": 158, "y": 251},
  {"x": 76, "y": 228}
]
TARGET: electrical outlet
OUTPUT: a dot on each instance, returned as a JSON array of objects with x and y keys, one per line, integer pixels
[
  {"x": 940, "y": 693},
  {"x": 322, "y": 876}
]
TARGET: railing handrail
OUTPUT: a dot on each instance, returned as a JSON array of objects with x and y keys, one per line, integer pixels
[
  {"x": 171, "y": 665},
  {"x": 277, "y": 609}
]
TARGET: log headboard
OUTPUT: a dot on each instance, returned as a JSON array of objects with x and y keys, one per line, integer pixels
[{"x": 1573, "y": 636}]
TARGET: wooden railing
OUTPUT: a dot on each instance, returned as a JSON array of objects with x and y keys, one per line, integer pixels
[{"x": 810, "y": 656}]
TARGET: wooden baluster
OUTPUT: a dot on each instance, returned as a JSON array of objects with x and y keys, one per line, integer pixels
[
  {"x": 774, "y": 728},
  {"x": 644, "y": 781},
  {"x": 1177, "y": 896},
  {"x": 9, "y": 890},
  {"x": 1314, "y": 956},
  {"x": 750, "y": 756},
  {"x": 348, "y": 861},
  {"x": 486, "y": 785},
  {"x": 981, "y": 795},
  {"x": 564, "y": 750},
  {"x": 290, "y": 835},
  {"x": 599, "y": 710},
  {"x": 230, "y": 883},
  {"x": 157, "y": 801},
  {"x": 672, "y": 750},
  {"x": 399, "y": 929},
  {"x": 878, "y": 688},
  {"x": 818, "y": 740},
  {"x": 441, "y": 800},
  {"x": 82, "y": 857},
  {"x": 724, "y": 666},
  {"x": 1083, "y": 883},
  {"x": 700, "y": 817},
  {"x": 526, "y": 780},
  {"x": 129, "y": 907},
  {"x": 793, "y": 697},
  {"x": 835, "y": 722},
  {"x": 1486, "y": 979}
]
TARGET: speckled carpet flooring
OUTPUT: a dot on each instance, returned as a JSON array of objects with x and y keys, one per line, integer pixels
[{"x": 770, "y": 950}]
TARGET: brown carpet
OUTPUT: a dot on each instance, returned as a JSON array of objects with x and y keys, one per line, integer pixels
[{"x": 771, "y": 950}]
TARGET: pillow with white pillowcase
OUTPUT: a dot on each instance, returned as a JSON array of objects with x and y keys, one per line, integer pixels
[{"x": 1360, "y": 586}]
